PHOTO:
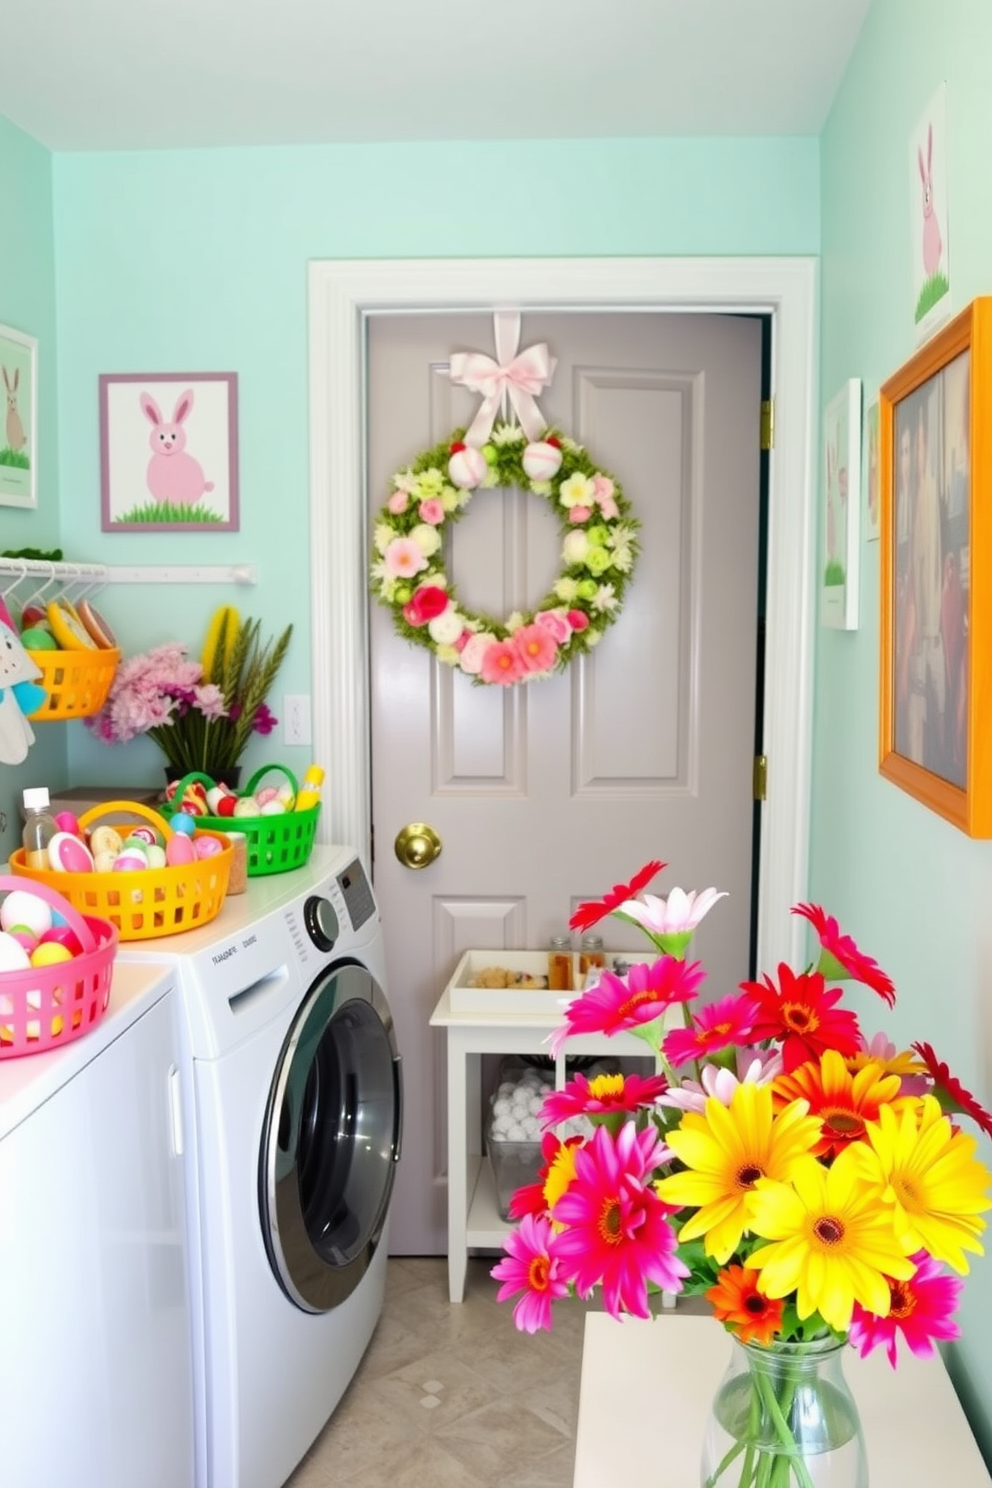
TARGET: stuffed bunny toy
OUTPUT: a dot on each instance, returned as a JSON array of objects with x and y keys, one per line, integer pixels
[
  {"x": 19, "y": 693},
  {"x": 16, "y": 438},
  {"x": 173, "y": 476}
]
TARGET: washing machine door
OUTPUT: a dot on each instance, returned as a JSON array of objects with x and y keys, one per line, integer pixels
[{"x": 331, "y": 1139}]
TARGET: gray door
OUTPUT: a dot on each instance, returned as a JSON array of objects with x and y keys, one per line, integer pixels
[{"x": 548, "y": 794}]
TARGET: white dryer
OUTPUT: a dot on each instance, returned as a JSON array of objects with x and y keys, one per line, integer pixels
[{"x": 297, "y": 1113}]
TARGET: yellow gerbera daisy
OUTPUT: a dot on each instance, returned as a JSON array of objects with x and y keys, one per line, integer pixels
[
  {"x": 930, "y": 1179},
  {"x": 726, "y": 1149},
  {"x": 833, "y": 1242}
]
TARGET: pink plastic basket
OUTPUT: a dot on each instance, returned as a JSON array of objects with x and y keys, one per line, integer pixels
[{"x": 45, "y": 1007}]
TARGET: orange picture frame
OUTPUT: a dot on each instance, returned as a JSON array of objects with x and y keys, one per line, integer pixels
[{"x": 935, "y": 740}]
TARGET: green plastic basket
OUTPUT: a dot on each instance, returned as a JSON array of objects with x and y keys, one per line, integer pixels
[{"x": 276, "y": 844}]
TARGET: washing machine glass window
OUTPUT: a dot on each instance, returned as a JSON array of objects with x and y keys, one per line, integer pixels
[{"x": 331, "y": 1139}]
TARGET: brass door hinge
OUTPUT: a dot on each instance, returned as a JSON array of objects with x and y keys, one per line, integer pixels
[
  {"x": 760, "y": 777},
  {"x": 768, "y": 424}
]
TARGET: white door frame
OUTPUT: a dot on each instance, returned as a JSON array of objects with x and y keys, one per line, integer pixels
[{"x": 342, "y": 292}]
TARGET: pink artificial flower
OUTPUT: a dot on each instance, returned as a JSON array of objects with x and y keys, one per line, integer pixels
[
  {"x": 432, "y": 511},
  {"x": 842, "y": 955},
  {"x": 474, "y": 651},
  {"x": 920, "y": 1309},
  {"x": 535, "y": 647},
  {"x": 425, "y": 605},
  {"x": 264, "y": 721},
  {"x": 404, "y": 558},
  {"x": 531, "y": 1266},
  {"x": 714, "y": 1027},
  {"x": 618, "y": 1235},
  {"x": 501, "y": 663},
  {"x": 617, "y": 1004},
  {"x": 578, "y": 619},
  {"x": 579, "y": 513},
  {"x": 753, "y": 1067},
  {"x": 398, "y": 503},
  {"x": 555, "y": 622},
  {"x": 210, "y": 701},
  {"x": 602, "y": 1096},
  {"x": 670, "y": 922}
]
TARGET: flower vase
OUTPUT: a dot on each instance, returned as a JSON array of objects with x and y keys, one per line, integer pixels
[{"x": 784, "y": 1417}]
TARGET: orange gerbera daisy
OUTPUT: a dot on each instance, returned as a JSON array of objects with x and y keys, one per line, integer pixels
[
  {"x": 842, "y": 1100},
  {"x": 736, "y": 1301}
]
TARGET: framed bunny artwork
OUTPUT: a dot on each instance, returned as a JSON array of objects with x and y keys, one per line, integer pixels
[
  {"x": 169, "y": 451},
  {"x": 929, "y": 237},
  {"x": 841, "y": 508},
  {"x": 19, "y": 435},
  {"x": 936, "y": 603}
]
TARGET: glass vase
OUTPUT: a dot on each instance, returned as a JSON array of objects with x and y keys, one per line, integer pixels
[{"x": 784, "y": 1417}]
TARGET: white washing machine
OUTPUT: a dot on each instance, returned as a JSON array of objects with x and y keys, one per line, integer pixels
[
  {"x": 95, "y": 1324},
  {"x": 296, "y": 1116}
]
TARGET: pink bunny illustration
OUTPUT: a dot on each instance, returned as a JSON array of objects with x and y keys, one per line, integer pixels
[
  {"x": 16, "y": 438},
  {"x": 172, "y": 475},
  {"x": 933, "y": 244}
]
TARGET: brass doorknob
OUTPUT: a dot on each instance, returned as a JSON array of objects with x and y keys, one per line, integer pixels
[{"x": 417, "y": 845}]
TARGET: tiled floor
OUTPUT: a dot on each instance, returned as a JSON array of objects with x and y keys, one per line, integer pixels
[{"x": 452, "y": 1396}]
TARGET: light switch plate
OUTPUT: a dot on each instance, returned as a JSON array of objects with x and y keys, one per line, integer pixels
[{"x": 296, "y": 718}]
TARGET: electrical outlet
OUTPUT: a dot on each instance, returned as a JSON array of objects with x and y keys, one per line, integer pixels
[{"x": 296, "y": 718}]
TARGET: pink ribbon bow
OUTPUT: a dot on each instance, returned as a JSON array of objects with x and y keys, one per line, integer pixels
[{"x": 510, "y": 376}]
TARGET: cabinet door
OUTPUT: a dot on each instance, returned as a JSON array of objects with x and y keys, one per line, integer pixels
[{"x": 95, "y": 1356}]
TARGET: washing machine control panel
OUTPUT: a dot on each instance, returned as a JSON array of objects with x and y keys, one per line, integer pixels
[{"x": 321, "y": 921}]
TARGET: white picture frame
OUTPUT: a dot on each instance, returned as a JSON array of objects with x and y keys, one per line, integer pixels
[
  {"x": 19, "y": 431},
  {"x": 839, "y": 573}
]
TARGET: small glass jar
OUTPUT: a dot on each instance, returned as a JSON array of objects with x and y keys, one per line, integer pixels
[
  {"x": 591, "y": 953},
  {"x": 560, "y": 964}
]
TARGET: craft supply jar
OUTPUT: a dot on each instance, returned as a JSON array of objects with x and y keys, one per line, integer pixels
[
  {"x": 560, "y": 964},
  {"x": 238, "y": 882},
  {"x": 591, "y": 954}
]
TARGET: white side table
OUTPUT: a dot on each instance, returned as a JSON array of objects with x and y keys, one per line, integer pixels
[
  {"x": 473, "y": 1215},
  {"x": 647, "y": 1388}
]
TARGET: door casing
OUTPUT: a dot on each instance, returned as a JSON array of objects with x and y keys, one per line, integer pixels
[{"x": 343, "y": 293}]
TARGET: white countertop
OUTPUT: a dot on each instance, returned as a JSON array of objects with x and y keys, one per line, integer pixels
[{"x": 29, "y": 1080}]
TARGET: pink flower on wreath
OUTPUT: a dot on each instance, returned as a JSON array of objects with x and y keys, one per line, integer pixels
[
  {"x": 398, "y": 503},
  {"x": 579, "y": 513},
  {"x": 404, "y": 558},
  {"x": 501, "y": 664},
  {"x": 578, "y": 619},
  {"x": 474, "y": 651},
  {"x": 555, "y": 622},
  {"x": 426, "y": 604},
  {"x": 536, "y": 648},
  {"x": 603, "y": 492},
  {"x": 432, "y": 511}
]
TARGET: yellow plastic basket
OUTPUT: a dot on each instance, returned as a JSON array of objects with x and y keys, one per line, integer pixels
[
  {"x": 151, "y": 902},
  {"x": 77, "y": 683},
  {"x": 276, "y": 844}
]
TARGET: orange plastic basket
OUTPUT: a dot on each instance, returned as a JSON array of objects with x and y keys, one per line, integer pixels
[
  {"x": 77, "y": 683},
  {"x": 154, "y": 901},
  {"x": 45, "y": 1007}
]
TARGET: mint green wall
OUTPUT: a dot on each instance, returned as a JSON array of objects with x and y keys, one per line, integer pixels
[
  {"x": 27, "y": 304},
  {"x": 914, "y": 888},
  {"x": 198, "y": 261}
]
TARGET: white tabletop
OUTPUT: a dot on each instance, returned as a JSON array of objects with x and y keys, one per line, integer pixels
[{"x": 647, "y": 1388}]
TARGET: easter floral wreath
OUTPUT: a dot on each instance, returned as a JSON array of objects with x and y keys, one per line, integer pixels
[{"x": 599, "y": 546}]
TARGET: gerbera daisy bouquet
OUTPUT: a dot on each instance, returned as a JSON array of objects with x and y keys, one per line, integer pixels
[{"x": 809, "y": 1179}]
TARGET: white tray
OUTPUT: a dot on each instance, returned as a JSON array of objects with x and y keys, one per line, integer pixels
[{"x": 465, "y": 999}]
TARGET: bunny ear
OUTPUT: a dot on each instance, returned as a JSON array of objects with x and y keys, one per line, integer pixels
[
  {"x": 929, "y": 147},
  {"x": 17, "y": 378},
  {"x": 150, "y": 409},
  {"x": 6, "y": 380},
  {"x": 923, "y": 169},
  {"x": 183, "y": 405}
]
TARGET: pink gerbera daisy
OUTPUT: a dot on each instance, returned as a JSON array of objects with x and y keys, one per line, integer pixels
[
  {"x": 725, "y": 1022},
  {"x": 536, "y": 648},
  {"x": 531, "y": 1266},
  {"x": 501, "y": 664},
  {"x": 603, "y": 1095},
  {"x": 592, "y": 912},
  {"x": 618, "y": 1235},
  {"x": 626, "y": 1004},
  {"x": 841, "y": 957},
  {"x": 920, "y": 1310}
]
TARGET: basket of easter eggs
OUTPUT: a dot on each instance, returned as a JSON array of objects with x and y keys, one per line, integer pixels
[
  {"x": 77, "y": 655},
  {"x": 148, "y": 877},
  {"x": 55, "y": 968},
  {"x": 279, "y": 836}
]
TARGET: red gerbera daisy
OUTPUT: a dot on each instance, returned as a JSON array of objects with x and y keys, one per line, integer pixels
[
  {"x": 840, "y": 951},
  {"x": 595, "y": 910},
  {"x": 801, "y": 1015},
  {"x": 949, "y": 1090}
]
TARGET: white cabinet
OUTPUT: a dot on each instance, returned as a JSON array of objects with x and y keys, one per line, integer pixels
[{"x": 95, "y": 1353}]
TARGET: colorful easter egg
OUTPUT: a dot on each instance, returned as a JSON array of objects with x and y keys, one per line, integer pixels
[
  {"x": 207, "y": 847},
  {"x": 13, "y": 956},
  {"x": 542, "y": 461},
  {"x": 23, "y": 908},
  {"x": 67, "y": 854},
  {"x": 130, "y": 860},
  {"x": 67, "y": 821},
  {"x": 214, "y": 795},
  {"x": 246, "y": 806},
  {"x": 104, "y": 840},
  {"x": 266, "y": 794},
  {"x": 273, "y": 808},
  {"x": 183, "y": 822},
  {"x": 36, "y": 639},
  {"x": 103, "y": 862},
  {"x": 179, "y": 849},
  {"x": 466, "y": 467},
  {"x": 285, "y": 794},
  {"x": 226, "y": 805},
  {"x": 156, "y": 855},
  {"x": 63, "y": 935},
  {"x": 23, "y": 936},
  {"x": 50, "y": 953},
  {"x": 145, "y": 834}
]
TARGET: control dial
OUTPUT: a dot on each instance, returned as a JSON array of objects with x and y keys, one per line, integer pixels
[{"x": 321, "y": 921}]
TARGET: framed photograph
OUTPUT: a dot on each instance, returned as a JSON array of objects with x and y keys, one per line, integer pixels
[
  {"x": 841, "y": 507},
  {"x": 936, "y": 612},
  {"x": 169, "y": 451},
  {"x": 19, "y": 441}
]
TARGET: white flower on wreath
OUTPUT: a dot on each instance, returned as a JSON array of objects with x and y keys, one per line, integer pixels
[
  {"x": 592, "y": 637},
  {"x": 541, "y": 488},
  {"x": 429, "y": 483},
  {"x": 383, "y": 536},
  {"x": 470, "y": 659},
  {"x": 405, "y": 480},
  {"x": 578, "y": 490},
  {"x": 575, "y": 548},
  {"x": 571, "y": 444},
  {"x": 567, "y": 589},
  {"x": 445, "y": 628},
  {"x": 514, "y": 621},
  {"x": 449, "y": 655},
  {"x": 507, "y": 434},
  {"x": 605, "y": 598},
  {"x": 623, "y": 558},
  {"x": 451, "y": 499},
  {"x": 427, "y": 538}
]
